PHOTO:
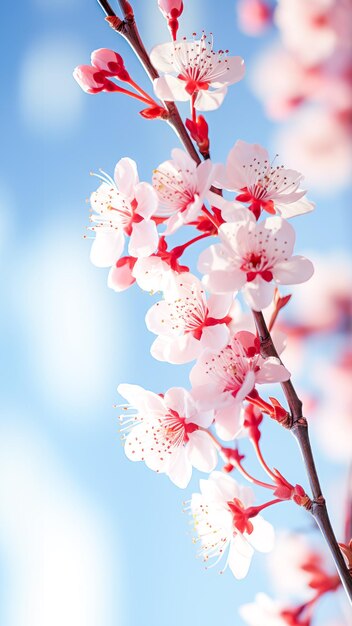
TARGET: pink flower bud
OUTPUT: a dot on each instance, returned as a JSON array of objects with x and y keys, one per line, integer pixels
[
  {"x": 171, "y": 8},
  {"x": 110, "y": 62},
  {"x": 90, "y": 79},
  {"x": 254, "y": 16}
]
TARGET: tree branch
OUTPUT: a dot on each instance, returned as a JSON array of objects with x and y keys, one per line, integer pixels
[
  {"x": 299, "y": 428},
  {"x": 128, "y": 29}
]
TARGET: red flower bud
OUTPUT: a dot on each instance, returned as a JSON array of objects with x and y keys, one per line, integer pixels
[
  {"x": 92, "y": 80},
  {"x": 199, "y": 132},
  {"x": 154, "y": 112}
]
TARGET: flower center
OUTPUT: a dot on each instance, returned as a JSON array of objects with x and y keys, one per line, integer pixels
[{"x": 256, "y": 263}]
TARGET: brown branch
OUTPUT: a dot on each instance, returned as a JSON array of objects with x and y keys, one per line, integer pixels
[
  {"x": 127, "y": 28},
  {"x": 299, "y": 428}
]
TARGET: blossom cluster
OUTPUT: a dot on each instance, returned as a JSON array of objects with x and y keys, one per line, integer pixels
[
  {"x": 242, "y": 211},
  {"x": 305, "y": 77}
]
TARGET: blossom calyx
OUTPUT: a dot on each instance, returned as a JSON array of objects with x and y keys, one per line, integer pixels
[{"x": 199, "y": 132}]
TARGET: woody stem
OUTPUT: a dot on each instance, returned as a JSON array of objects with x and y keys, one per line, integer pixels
[
  {"x": 128, "y": 29},
  {"x": 299, "y": 428}
]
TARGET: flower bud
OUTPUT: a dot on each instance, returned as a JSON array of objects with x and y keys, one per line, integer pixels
[
  {"x": 90, "y": 79},
  {"x": 110, "y": 62}
]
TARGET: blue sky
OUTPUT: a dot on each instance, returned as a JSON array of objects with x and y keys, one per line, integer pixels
[{"x": 75, "y": 514}]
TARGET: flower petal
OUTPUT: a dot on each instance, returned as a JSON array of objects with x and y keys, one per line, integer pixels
[
  {"x": 295, "y": 270},
  {"x": 144, "y": 239},
  {"x": 107, "y": 247},
  {"x": 201, "y": 451},
  {"x": 170, "y": 88}
]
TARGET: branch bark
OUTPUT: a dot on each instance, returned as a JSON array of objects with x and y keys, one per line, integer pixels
[{"x": 299, "y": 428}]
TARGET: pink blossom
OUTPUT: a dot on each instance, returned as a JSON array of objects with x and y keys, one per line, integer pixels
[
  {"x": 221, "y": 379},
  {"x": 202, "y": 75},
  {"x": 252, "y": 257},
  {"x": 123, "y": 206},
  {"x": 92, "y": 80},
  {"x": 254, "y": 16},
  {"x": 261, "y": 184},
  {"x": 266, "y": 612},
  {"x": 167, "y": 433},
  {"x": 187, "y": 323},
  {"x": 216, "y": 511},
  {"x": 320, "y": 144},
  {"x": 181, "y": 186},
  {"x": 109, "y": 62},
  {"x": 313, "y": 30}
]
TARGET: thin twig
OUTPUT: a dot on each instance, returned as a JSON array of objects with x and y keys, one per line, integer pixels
[{"x": 299, "y": 428}]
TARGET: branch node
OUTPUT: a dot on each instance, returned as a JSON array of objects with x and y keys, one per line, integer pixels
[{"x": 114, "y": 22}]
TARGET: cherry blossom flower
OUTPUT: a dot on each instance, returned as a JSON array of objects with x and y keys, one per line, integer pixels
[
  {"x": 222, "y": 379},
  {"x": 202, "y": 75},
  {"x": 252, "y": 257},
  {"x": 266, "y": 612},
  {"x": 167, "y": 433},
  {"x": 320, "y": 143},
  {"x": 313, "y": 30},
  {"x": 261, "y": 184},
  {"x": 123, "y": 206},
  {"x": 181, "y": 186},
  {"x": 254, "y": 16},
  {"x": 219, "y": 512},
  {"x": 186, "y": 323}
]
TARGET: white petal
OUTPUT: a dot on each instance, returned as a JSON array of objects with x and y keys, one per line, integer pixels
[
  {"x": 209, "y": 100},
  {"x": 162, "y": 57},
  {"x": 263, "y": 535},
  {"x": 295, "y": 208},
  {"x": 215, "y": 337},
  {"x": 170, "y": 88},
  {"x": 225, "y": 281},
  {"x": 144, "y": 239},
  {"x": 228, "y": 421},
  {"x": 258, "y": 293},
  {"x": 147, "y": 200},
  {"x": 201, "y": 451},
  {"x": 180, "y": 469},
  {"x": 126, "y": 176},
  {"x": 295, "y": 270},
  {"x": 107, "y": 247},
  {"x": 240, "y": 557}
]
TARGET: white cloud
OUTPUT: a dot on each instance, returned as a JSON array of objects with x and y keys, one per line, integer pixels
[
  {"x": 56, "y": 546},
  {"x": 68, "y": 323},
  {"x": 50, "y": 101}
]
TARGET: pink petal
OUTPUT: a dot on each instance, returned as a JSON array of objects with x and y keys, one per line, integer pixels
[
  {"x": 209, "y": 100},
  {"x": 258, "y": 293},
  {"x": 272, "y": 371},
  {"x": 170, "y": 88},
  {"x": 241, "y": 154},
  {"x": 144, "y": 239},
  {"x": 120, "y": 276},
  {"x": 176, "y": 350},
  {"x": 215, "y": 337},
  {"x": 228, "y": 421},
  {"x": 126, "y": 176},
  {"x": 295, "y": 270},
  {"x": 147, "y": 200},
  {"x": 225, "y": 281}
]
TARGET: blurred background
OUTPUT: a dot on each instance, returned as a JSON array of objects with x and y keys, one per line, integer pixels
[{"x": 86, "y": 537}]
